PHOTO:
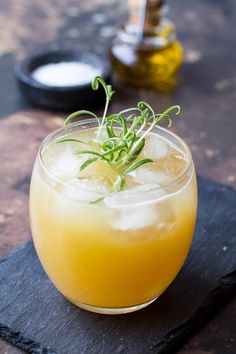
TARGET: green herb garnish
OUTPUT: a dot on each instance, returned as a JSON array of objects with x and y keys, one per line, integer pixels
[{"x": 126, "y": 132}]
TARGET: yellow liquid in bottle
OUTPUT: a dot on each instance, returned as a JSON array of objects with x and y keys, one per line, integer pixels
[
  {"x": 148, "y": 67},
  {"x": 145, "y": 52}
]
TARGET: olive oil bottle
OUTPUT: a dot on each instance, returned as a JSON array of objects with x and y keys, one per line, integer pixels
[{"x": 145, "y": 52}]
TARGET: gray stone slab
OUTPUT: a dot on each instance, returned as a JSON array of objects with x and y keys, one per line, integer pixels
[{"x": 36, "y": 318}]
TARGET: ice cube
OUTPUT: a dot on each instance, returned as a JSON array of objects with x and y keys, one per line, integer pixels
[
  {"x": 155, "y": 147},
  {"x": 81, "y": 190},
  {"x": 135, "y": 209},
  {"x": 87, "y": 188},
  {"x": 147, "y": 176},
  {"x": 160, "y": 215},
  {"x": 135, "y": 195},
  {"x": 140, "y": 207},
  {"x": 96, "y": 183},
  {"x": 65, "y": 164},
  {"x": 136, "y": 218}
]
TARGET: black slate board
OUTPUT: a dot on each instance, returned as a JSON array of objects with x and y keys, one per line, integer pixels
[{"x": 35, "y": 317}]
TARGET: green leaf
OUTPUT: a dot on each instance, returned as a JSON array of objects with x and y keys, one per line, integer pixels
[
  {"x": 130, "y": 110},
  {"x": 138, "y": 164},
  {"x": 107, "y": 144},
  {"x": 119, "y": 155},
  {"x": 107, "y": 88},
  {"x": 123, "y": 125},
  {"x": 144, "y": 105},
  {"x": 119, "y": 184},
  {"x": 96, "y": 81},
  {"x": 136, "y": 151},
  {"x": 98, "y": 199},
  {"x": 130, "y": 117},
  {"x": 78, "y": 113},
  {"x": 72, "y": 140},
  {"x": 110, "y": 132},
  {"x": 170, "y": 122},
  {"x": 111, "y": 117},
  {"x": 89, "y": 152},
  {"x": 88, "y": 162},
  {"x": 116, "y": 148},
  {"x": 166, "y": 114},
  {"x": 110, "y": 92},
  {"x": 122, "y": 182}
]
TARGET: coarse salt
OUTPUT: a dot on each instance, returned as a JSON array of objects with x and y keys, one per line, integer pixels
[{"x": 65, "y": 74}]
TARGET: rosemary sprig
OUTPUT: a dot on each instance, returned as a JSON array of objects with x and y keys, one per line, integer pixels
[
  {"x": 109, "y": 93},
  {"x": 126, "y": 132}
]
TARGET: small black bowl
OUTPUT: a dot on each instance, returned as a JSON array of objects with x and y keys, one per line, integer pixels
[{"x": 61, "y": 97}]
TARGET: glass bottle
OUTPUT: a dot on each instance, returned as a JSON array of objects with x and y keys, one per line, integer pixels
[{"x": 145, "y": 52}]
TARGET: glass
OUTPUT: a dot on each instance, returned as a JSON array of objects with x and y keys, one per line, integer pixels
[{"x": 95, "y": 264}]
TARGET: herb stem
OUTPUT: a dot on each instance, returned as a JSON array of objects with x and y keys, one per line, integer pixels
[
  {"x": 103, "y": 118},
  {"x": 125, "y": 140}
]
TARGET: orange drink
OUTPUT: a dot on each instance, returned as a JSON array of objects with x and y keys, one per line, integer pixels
[{"x": 112, "y": 251}]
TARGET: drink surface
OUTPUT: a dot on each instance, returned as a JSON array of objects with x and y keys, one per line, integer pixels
[
  {"x": 126, "y": 249},
  {"x": 63, "y": 162}
]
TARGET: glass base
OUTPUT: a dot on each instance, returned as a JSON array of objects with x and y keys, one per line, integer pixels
[{"x": 112, "y": 310}]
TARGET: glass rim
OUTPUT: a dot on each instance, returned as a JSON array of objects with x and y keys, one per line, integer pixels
[{"x": 52, "y": 136}]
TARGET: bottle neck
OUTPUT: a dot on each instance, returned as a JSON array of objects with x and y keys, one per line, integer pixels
[
  {"x": 147, "y": 25},
  {"x": 145, "y": 14}
]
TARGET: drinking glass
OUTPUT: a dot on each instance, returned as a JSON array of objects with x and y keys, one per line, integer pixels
[{"x": 119, "y": 255}]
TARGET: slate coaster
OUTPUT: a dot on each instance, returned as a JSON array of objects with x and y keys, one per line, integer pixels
[{"x": 35, "y": 317}]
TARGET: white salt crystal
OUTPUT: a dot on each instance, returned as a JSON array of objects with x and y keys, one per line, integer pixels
[{"x": 65, "y": 74}]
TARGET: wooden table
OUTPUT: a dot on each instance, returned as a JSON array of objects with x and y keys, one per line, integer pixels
[{"x": 206, "y": 92}]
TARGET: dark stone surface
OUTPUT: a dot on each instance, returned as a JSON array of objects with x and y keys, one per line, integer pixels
[
  {"x": 35, "y": 317},
  {"x": 217, "y": 336},
  {"x": 10, "y": 97}
]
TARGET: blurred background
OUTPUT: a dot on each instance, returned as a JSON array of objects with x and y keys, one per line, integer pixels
[{"x": 206, "y": 91}]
